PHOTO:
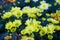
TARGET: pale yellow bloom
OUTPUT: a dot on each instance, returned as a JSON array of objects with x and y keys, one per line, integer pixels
[
  {"x": 17, "y": 23},
  {"x": 50, "y": 37},
  {"x": 9, "y": 25},
  {"x": 43, "y": 31},
  {"x": 6, "y": 15}
]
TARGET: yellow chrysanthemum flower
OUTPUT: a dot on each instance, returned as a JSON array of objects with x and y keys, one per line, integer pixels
[
  {"x": 7, "y": 15},
  {"x": 28, "y": 21},
  {"x": 32, "y": 22},
  {"x": 32, "y": 15},
  {"x": 36, "y": 29},
  {"x": 31, "y": 12},
  {"x": 23, "y": 32},
  {"x": 43, "y": 31},
  {"x": 34, "y": 10},
  {"x": 13, "y": 29},
  {"x": 57, "y": 27},
  {"x": 12, "y": 26},
  {"x": 14, "y": 9},
  {"x": 18, "y": 13},
  {"x": 35, "y": 23},
  {"x": 17, "y": 23},
  {"x": 53, "y": 21},
  {"x": 26, "y": 10},
  {"x": 29, "y": 30},
  {"x": 50, "y": 28},
  {"x": 9, "y": 25},
  {"x": 50, "y": 37},
  {"x": 44, "y": 5}
]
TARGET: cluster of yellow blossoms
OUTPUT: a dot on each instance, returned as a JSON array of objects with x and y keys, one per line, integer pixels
[
  {"x": 31, "y": 12},
  {"x": 32, "y": 25},
  {"x": 49, "y": 30},
  {"x": 15, "y": 11},
  {"x": 12, "y": 26}
]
